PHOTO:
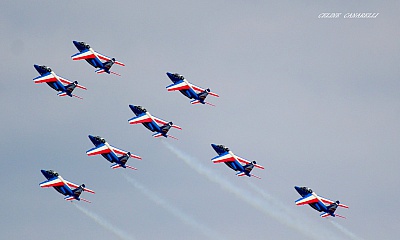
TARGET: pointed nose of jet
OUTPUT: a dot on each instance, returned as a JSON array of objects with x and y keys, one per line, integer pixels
[
  {"x": 43, "y": 171},
  {"x": 37, "y": 67},
  {"x": 214, "y": 146},
  {"x": 92, "y": 138},
  {"x": 77, "y": 44},
  {"x": 169, "y": 75},
  {"x": 298, "y": 189}
]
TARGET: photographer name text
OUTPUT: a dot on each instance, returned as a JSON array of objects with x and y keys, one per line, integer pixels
[{"x": 348, "y": 15}]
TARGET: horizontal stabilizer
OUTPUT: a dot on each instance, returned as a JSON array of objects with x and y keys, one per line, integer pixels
[{"x": 69, "y": 198}]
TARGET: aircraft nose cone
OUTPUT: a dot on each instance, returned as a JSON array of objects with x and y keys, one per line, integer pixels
[
  {"x": 77, "y": 44},
  {"x": 37, "y": 67},
  {"x": 43, "y": 171}
]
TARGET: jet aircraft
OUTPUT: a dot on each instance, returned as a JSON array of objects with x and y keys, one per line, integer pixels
[
  {"x": 151, "y": 122},
  {"x": 321, "y": 204},
  {"x": 70, "y": 190},
  {"x": 56, "y": 82},
  {"x": 110, "y": 153},
  {"x": 94, "y": 58},
  {"x": 188, "y": 89},
  {"x": 234, "y": 162}
]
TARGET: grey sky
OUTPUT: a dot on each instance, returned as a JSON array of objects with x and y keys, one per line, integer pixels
[{"x": 313, "y": 100}]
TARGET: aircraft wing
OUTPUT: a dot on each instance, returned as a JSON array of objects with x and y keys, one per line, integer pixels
[
  {"x": 54, "y": 182},
  {"x": 141, "y": 118},
  {"x": 123, "y": 152},
  {"x": 85, "y": 54},
  {"x": 179, "y": 85},
  {"x": 309, "y": 198},
  {"x": 163, "y": 122},
  {"x": 100, "y": 149},
  {"x": 105, "y": 58},
  {"x": 74, "y": 185},
  {"x": 225, "y": 157},
  {"x": 199, "y": 89},
  {"x": 329, "y": 202},
  {"x": 47, "y": 77},
  {"x": 65, "y": 81},
  {"x": 242, "y": 160}
]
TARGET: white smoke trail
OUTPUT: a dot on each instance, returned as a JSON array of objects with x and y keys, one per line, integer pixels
[
  {"x": 104, "y": 223},
  {"x": 344, "y": 230},
  {"x": 209, "y": 233},
  {"x": 265, "y": 206}
]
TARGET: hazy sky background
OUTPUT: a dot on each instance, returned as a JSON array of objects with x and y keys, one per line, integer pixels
[{"x": 315, "y": 101}]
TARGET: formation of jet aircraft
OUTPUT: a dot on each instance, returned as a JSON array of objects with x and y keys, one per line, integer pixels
[
  {"x": 110, "y": 153},
  {"x": 56, "y": 82},
  {"x": 189, "y": 90},
  {"x": 234, "y": 162},
  {"x": 154, "y": 124},
  {"x": 97, "y": 60},
  {"x": 321, "y": 204},
  {"x": 70, "y": 190},
  {"x": 119, "y": 157}
]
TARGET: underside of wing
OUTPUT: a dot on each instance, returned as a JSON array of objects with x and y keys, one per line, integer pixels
[
  {"x": 199, "y": 89},
  {"x": 48, "y": 77},
  {"x": 65, "y": 81},
  {"x": 100, "y": 149},
  {"x": 163, "y": 122},
  {"x": 329, "y": 202},
  {"x": 309, "y": 198},
  {"x": 245, "y": 161},
  {"x": 74, "y": 185},
  {"x": 85, "y": 54},
  {"x": 105, "y": 58},
  {"x": 225, "y": 157},
  {"x": 54, "y": 182},
  {"x": 122, "y": 152},
  {"x": 180, "y": 85}
]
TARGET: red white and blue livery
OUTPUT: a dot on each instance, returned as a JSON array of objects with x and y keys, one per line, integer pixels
[
  {"x": 70, "y": 190},
  {"x": 56, "y": 82},
  {"x": 154, "y": 124},
  {"x": 234, "y": 162},
  {"x": 321, "y": 204},
  {"x": 188, "y": 89},
  {"x": 113, "y": 154},
  {"x": 97, "y": 60}
]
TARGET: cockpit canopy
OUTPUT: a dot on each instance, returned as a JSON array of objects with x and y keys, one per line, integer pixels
[
  {"x": 100, "y": 139},
  {"x": 308, "y": 189},
  {"x": 45, "y": 68},
  {"x": 85, "y": 44},
  {"x": 142, "y": 108},
  {"x": 177, "y": 75},
  {"x": 223, "y": 147},
  {"x": 52, "y": 173}
]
